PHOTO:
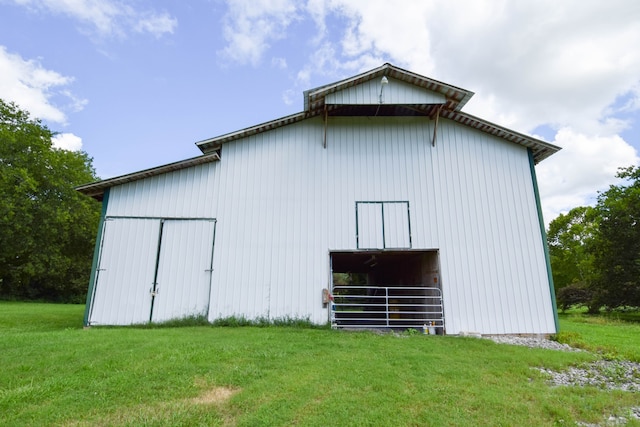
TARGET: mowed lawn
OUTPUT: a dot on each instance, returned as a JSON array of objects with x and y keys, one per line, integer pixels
[{"x": 53, "y": 372}]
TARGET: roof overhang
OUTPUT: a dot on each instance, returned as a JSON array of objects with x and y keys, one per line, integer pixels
[
  {"x": 210, "y": 144},
  {"x": 314, "y": 105},
  {"x": 541, "y": 149},
  {"x": 314, "y": 99},
  {"x": 96, "y": 189}
]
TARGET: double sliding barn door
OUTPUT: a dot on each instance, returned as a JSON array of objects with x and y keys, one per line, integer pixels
[{"x": 152, "y": 269}]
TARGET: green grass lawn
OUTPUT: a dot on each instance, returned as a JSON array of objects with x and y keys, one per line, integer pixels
[{"x": 55, "y": 373}]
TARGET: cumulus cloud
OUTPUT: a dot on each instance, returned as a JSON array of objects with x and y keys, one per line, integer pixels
[
  {"x": 67, "y": 141},
  {"x": 570, "y": 66},
  {"x": 250, "y": 26},
  {"x": 545, "y": 62},
  {"x": 156, "y": 24},
  {"x": 280, "y": 63},
  {"x": 107, "y": 17},
  {"x": 529, "y": 62},
  {"x": 585, "y": 165},
  {"x": 30, "y": 85}
]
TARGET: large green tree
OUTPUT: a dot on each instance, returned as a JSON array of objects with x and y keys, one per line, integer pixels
[
  {"x": 47, "y": 229},
  {"x": 571, "y": 237},
  {"x": 617, "y": 248}
]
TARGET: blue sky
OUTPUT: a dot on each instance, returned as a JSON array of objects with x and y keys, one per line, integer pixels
[{"x": 136, "y": 83}]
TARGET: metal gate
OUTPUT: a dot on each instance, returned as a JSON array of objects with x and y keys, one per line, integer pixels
[{"x": 403, "y": 307}]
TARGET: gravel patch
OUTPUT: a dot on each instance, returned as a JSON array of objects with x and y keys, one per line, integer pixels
[
  {"x": 634, "y": 414},
  {"x": 531, "y": 342},
  {"x": 604, "y": 374}
]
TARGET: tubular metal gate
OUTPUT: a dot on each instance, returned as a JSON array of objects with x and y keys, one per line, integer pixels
[{"x": 387, "y": 307}]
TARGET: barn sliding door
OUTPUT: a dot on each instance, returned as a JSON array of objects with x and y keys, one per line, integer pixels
[
  {"x": 152, "y": 269},
  {"x": 183, "y": 281},
  {"x": 125, "y": 273}
]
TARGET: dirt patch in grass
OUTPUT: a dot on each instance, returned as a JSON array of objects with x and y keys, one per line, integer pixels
[{"x": 216, "y": 395}]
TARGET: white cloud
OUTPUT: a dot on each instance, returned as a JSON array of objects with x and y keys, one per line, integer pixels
[
  {"x": 559, "y": 63},
  {"x": 32, "y": 87},
  {"x": 250, "y": 26},
  {"x": 570, "y": 66},
  {"x": 67, "y": 141},
  {"x": 156, "y": 24},
  {"x": 540, "y": 61},
  {"x": 106, "y": 17},
  {"x": 280, "y": 63},
  {"x": 585, "y": 165},
  {"x": 289, "y": 96},
  {"x": 379, "y": 29}
]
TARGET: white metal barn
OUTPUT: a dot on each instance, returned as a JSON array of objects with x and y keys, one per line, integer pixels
[{"x": 381, "y": 204}]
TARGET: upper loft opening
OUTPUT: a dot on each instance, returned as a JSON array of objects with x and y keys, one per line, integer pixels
[{"x": 383, "y": 110}]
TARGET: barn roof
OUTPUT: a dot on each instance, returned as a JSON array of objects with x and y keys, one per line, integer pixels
[
  {"x": 314, "y": 99},
  {"x": 315, "y": 105},
  {"x": 456, "y": 98},
  {"x": 96, "y": 189}
]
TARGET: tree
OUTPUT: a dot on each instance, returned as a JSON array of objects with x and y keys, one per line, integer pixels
[
  {"x": 617, "y": 249},
  {"x": 47, "y": 229},
  {"x": 570, "y": 238},
  {"x": 574, "y": 294}
]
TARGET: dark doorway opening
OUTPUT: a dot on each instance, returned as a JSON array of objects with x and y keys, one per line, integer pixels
[{"x": 387, "y": 289}]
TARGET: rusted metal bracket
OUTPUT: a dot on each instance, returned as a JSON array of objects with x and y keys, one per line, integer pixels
[
  {"x": 435, "y": 128},
  {"x": 326, "y": 121}
]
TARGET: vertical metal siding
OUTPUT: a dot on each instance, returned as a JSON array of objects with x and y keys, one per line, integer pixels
[
  {"x": 184, "y": 193},
  {"x": 126, "y": 270},
  {"x": 396, "y": 92},
  {"x": 370, "y": 226},
  {"x": 490, "y": 256},
  {"x": 184, "y": 277},
  {"x": 282, "y": 201},
  {"x": 274, "y": 256},
  {"x": 396, "y": 225}
]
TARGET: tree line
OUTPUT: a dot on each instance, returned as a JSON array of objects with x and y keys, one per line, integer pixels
[
  {"x": 47, "y": 229},
  {"x": 595, "y": 250}
]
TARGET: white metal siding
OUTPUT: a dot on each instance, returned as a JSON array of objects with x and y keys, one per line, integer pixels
[
  {"x": 383, "y": 225},
  {"x": 282, "y": 202},
  {"x": 184, "y": 193},
  {"x": 126, "y": 270},
  {"x": 370, "y": 226},
  {"x": 396, "y": 226},
  {"x": 492, "y": 259},
  {"x": 184, "y": 275},
  {"x": 396, "y": 92},
  {"x": 132, "y": 249},
  {"x": 273, "y": 258}
]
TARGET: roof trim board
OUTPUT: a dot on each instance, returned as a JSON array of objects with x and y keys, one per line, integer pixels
[
  {"x": 456, "y": 97},
  {"x": 208, "y": 144},
  {"x": 97, "y": 189},
  {"x": 541, "y": 149}
]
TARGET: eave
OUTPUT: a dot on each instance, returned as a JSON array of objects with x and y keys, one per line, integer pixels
[
  {"x": 541, "y": 149},
  {"x": 314, "y": 99},
  {"x": 96, "y": 189}
]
